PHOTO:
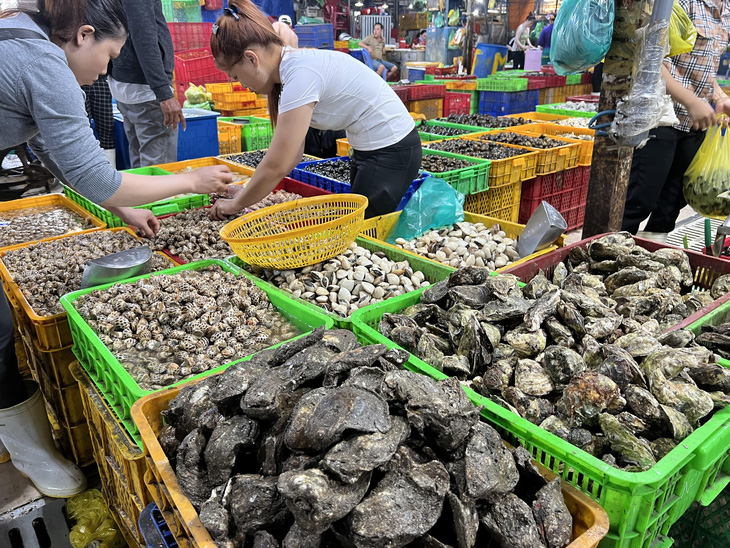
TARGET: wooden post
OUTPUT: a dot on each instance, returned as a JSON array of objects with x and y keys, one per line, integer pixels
[{"x": 612, "y": 164}]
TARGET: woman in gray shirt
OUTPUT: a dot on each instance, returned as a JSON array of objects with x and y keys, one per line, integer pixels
[{"x": 46, "y": 57}]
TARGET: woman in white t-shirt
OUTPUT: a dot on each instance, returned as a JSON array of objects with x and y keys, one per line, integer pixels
[{"x": 325, "y": 90}]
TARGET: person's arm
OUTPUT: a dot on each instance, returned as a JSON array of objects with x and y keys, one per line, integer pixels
[
  {"x": 285, "y": 152},
  {"x": 701, "y": 113},
  {"x": 143, "y": 36},
  {"x": 721, "y": 100},
  {"x": 518, "y": 35},
  {"x": 365, "y": 44}
]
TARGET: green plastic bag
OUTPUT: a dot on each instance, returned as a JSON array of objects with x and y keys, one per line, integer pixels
[
  {"x": 434, "y": 205},
  {"x": 582, "y": 35},
  {"x": 682, "y": 32}
]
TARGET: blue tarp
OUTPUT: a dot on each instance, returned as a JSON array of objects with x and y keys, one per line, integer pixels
[{"x": 274, "y": 8}]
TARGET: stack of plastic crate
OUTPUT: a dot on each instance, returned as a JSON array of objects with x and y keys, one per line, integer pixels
[
  {"x": 182, "y": 11},
  {"x": 319, "y": 36},
  {"x": 196, "y": 66},
  {"x": 232, "y": 99}
]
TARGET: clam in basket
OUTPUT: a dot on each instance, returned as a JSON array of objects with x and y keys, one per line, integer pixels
[{"x": 298, "y": 233}]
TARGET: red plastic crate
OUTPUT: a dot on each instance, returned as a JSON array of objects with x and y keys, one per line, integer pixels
[
  {"x": 187, "y": 36},
  {"x": 584, "y": 98},
  {"x": 197, "y": 66},
  {"x": 213, "y": 5},
  {"x": 403, "y": 92},
  {"x": 452, "y": 77},
  {"x": 457, "y": 103},
  {"x": 427, "y": 91},
  {"x": 564, "y": 190},
  {"x": 537, "y": 82},
  {"x": 441, "y": 71},
  {"x": 586, "y": 78}
]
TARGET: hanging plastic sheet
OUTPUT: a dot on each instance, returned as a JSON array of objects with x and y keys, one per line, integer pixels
[{"x": 582, "y": 34}]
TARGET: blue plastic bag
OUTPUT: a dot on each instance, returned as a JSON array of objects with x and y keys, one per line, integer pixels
[
  {"x": 582, "y": 35},
  {"x": 434, "y": 205}
]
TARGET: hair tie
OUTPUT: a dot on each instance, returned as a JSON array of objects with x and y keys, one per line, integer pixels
[{"x": 233, "y": 11}]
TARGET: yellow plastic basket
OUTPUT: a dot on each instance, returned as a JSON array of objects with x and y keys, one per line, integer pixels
[{"x": 299, "y": 233}]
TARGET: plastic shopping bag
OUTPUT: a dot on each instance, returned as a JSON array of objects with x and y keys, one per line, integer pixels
[
  {"x": 434, "y": 205},
  {"x": 582, "y": 34},
  {"x": 682, "y": 32},
  {"x": 709, "y": 175},
  {"x": 94, "y": 522}
]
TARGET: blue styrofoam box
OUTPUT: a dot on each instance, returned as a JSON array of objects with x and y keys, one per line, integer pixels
[{"x": 199, "y": 140}]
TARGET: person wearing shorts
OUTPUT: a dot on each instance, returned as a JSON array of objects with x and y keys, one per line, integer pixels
[{"x": 375, "y": 45}]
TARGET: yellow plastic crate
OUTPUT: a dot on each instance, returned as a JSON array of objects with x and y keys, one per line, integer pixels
[
  {"x": 343, "y": 147},
  {"x": 538, "y": 116},
  {"x": 467, "y": 85},
  {"x": 120, "y": 462},
  {"x": 261, "y": 103},
  {"x": 75, "y": 441},
  {"x": 226, "y": 87},
  {"x": 378, "y": 228},
  {"x": 586, "y": 147},
  {"x": 502, "y": 202},
  {"x": 229, "y": 138},
  {"x": 430, "y": 108},
  {"x": 342, "y": 44}
]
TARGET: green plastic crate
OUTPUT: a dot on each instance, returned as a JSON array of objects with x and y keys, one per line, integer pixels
[
  {"x": 163, "y": 207},
  {"x": 152, "y": 170},
  {"x": 425, "y": 136},
  {"x": 467, "y": 180},
  {"x": 354, "y": 43},
  {"x": 501, "y": 84},
  {"x": 704, "y": 526},
  {"x": 552, "y": 109},
  {"x": 433, "y": 271},
  {"x": 641, "y": 506},
  {"x": 572, "y": 79},
  {"x": 256, "y": 133},
  {"x": 117, "y": 385}
]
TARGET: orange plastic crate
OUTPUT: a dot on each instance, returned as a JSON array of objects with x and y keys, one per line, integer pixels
[
  {"x": 229, "y": 138},
  {"x": 586, "y": 152}
]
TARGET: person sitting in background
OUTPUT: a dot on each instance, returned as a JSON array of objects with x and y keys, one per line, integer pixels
[
  {"x": 375, "y": 45},
  {"x": 420, "y": 39},
  {"x": 282, "y": 27},
  {"x": 545, "y": 39}
]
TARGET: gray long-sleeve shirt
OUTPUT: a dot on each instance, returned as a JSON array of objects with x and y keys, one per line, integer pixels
[{"x": 42, "y": 103}]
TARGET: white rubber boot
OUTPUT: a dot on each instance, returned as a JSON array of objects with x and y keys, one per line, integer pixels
[
  {"x": 659, "y": 237},
  {"x": 27, "y": 435},
  {"x": 4, "y": 455},
  {"x": 111, "y": 154}
]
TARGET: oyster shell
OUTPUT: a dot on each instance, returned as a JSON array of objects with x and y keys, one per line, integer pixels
[
  {"x": 532, "y": 379},
  {"x": 543, "y": 308},
  {"x": 490, "y": 470},
  {"x": 720, "y": 286},
  {"x": 562, "y": 364},
  {"x": 527, "y": 344},
  {"x": 511, "y": 522},
  {"x": 588, "y": 395},
  {"x": 625, "y": 443},
  {"x": 552, "y": 515}
]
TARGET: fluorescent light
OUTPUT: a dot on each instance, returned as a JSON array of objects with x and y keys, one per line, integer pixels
[
  {"x": 385, "y": 6},
  {"x": 410, "y": 6},
  {"x": 358, "y": 4}
]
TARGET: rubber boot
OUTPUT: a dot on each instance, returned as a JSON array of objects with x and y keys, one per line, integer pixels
[
  {"x": 4, "y": 455},
  {"x": 111, "y": 154},
  {"x": 26, "y": 433},
  {"x": 659, "y": 237}
]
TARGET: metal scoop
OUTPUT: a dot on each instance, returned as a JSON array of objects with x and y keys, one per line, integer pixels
[
  {"x": 117, "y": 267},
  {"x": 544, "y": 227}
]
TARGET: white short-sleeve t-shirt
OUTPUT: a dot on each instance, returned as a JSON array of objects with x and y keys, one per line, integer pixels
[{"x": 348, "y": 95}]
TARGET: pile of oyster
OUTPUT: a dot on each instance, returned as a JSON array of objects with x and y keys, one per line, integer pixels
[
  {"x": 322, "y": 442},
  {"x": 584, "y": 355},
  {"x": 46, "y": 271},
  {"x": 716, "y": 338},
  {"x": 349, "y": 281},
  {"x": 36, "y": 223},
  {"x": 166, "y": 328},
  {"x": 574, "y": 122},
  {"x": 465, "y": 244}
]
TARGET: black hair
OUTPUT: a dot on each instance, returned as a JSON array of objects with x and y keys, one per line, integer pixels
[
  {"x": 381, "y": 26},
  {"x": 531, "y": 17},
  {"x": 63, "y": 18}
]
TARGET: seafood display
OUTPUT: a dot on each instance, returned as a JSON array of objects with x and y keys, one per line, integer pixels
[
  {"x": 478, "y": 149},
  {"x": 465, "y": 244},
  {"x": 577, "y": 105},
  {"x": 585, "y": 355},
  {"x": 484, "y": 120},
  {"x": 441, "y": 130},
  {"x": 250, "y": 159},
  {"x": 441, "y": 164},
  {"x": 166, "y": 328},
  {"x": 323, "y": 442},
  {"x": 48, "y": 270},
  {"x": 511, "y": 138},
  {"x": 36, "y": 223},
  {"x": 339, "y": 170},
  {"x": 193, "y": 236},
  {"x": 574, "y": 122},
  {"x": 349, "y": 281}
]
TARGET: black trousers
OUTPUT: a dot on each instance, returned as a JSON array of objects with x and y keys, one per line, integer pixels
[
  {"x": 12, "y": 391},
  {"x": 655, "y": 184},
  {"x": 519, "y": 59},
  {"x": 384, "y": 175}
]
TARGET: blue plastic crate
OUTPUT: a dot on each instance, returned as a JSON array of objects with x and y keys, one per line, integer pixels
[
  {"x": 316, "y": 28},
  {"x": 317, "y": 43},
  {"x": 499, "y": 103},
  {"x": 414, "y": 74},
  {"x": 154, "y": 529},
  {"x": 199, "y": 140}
]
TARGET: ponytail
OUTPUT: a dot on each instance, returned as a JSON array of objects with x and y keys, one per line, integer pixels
[
  {"x": 242, "y": 26},
  {"x": 63, "y": 18}
]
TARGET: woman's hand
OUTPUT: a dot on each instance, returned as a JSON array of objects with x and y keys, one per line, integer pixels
[
  {"x": 722, "y": 107},
  {"x": 212, "y": 180},
  {"x": 141, "y": 220},
  {"x": 701, "y": 114},
  {"x": 223, "y": 209}
]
